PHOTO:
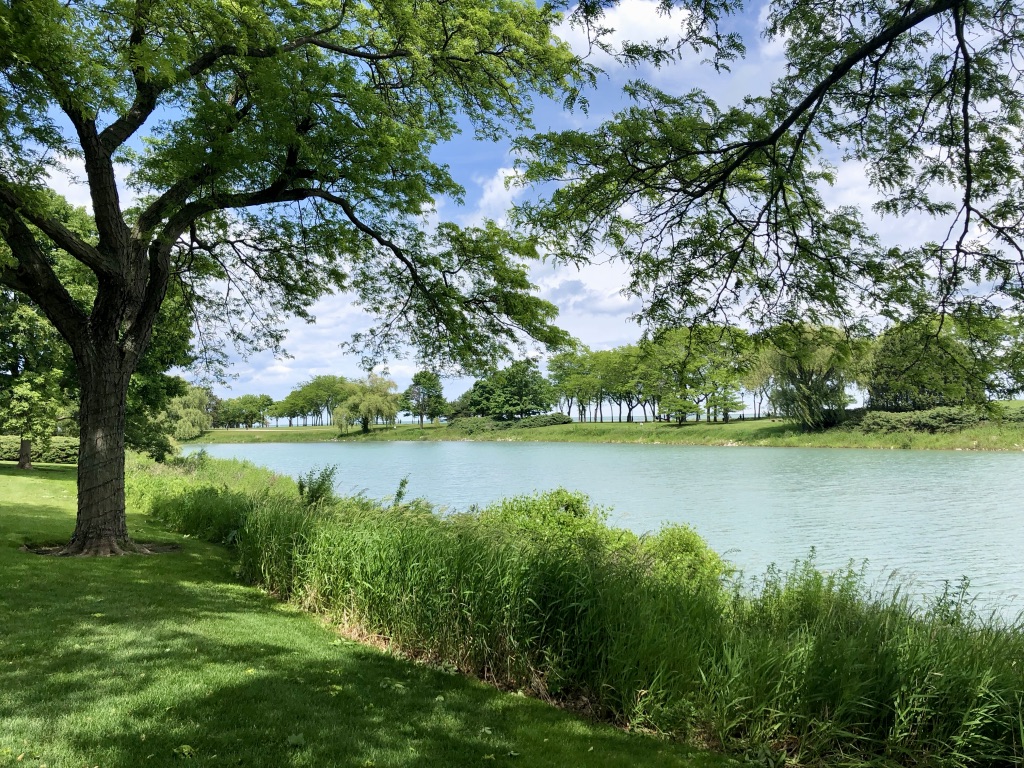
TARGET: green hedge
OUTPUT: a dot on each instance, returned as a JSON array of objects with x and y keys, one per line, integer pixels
[
  {"x": 61, "y": 450},
  {"x": 475, "y": 424},
  {"x": 933, "y": 420}
]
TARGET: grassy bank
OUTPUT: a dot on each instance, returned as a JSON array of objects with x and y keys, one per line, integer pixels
[
  {"x": 169, "y": 660},
  {"x": 990, "y": 436},
  {"x": 537, "y": 594}
]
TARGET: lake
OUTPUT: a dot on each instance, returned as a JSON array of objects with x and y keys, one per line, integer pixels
[{"x": 928, "y": 515}]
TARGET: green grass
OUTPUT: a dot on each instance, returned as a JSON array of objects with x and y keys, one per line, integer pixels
[
  {"x": 1007, "y": 436},
  {"x": 270, "y": 435},
  {"x": 169, "y": 660}
]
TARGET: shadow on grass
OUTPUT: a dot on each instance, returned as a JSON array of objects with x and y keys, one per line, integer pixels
[{"x": 155, "y": 660}]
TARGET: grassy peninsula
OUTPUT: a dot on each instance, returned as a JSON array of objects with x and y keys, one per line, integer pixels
[
  {"x": 985, "y": 436},
  {"x": 170, "y": 660}
]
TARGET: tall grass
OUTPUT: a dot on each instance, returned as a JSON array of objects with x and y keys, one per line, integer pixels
[{"x": 536, "y": 593}]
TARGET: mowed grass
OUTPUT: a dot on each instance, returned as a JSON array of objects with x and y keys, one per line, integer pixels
[
  {"x": 168, "y": 660},
  {"x": 1005, "y": 436}
]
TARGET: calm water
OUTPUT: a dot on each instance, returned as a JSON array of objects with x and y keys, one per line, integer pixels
[{"x": 929, "y": 516}]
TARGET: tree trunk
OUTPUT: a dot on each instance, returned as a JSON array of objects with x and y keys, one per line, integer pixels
[
  {"x": 25, "y": 454},
  {"x": 101, "y": 527}
]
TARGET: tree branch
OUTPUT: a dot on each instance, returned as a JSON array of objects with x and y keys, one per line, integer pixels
[{"x": 34, "y": 277}]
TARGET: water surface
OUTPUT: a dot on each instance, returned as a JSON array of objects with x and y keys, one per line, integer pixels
[{"x": 930, "y": 515}]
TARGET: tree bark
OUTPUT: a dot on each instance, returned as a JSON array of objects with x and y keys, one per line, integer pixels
[
  {"x": 101, "y": 527},
  {"x": 25, "y": 454}
]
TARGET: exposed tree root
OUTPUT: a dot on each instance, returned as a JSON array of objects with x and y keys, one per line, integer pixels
[
  {"x": 102, "y": 547},
  {"x": 105, "y": 546}
]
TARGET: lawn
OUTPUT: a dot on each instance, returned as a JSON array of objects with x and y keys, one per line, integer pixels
[{"x": 168, "y": 660}]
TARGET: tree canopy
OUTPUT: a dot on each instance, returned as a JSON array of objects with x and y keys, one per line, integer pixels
[
  {"x": 257, "y": 155},
  {"x": 719, "y": 209}
]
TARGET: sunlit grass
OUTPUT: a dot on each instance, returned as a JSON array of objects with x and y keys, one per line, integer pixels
[{"x": 169, "y": 660}]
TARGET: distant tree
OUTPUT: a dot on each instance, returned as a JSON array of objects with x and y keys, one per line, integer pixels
[
  {"x": 573, "y": 374},
  {"x": 813, "y": 367},
  {"x": 518, "y": 391},
  {"x": 924, "y": 365},
  {"x": 425, "y": 396},
  {"x": 189, "y": 415},
  {"x": 371, "y": 400},
  {"x": 244, "y": 411},
  {"x": 32, "y": 356},
  {"x": 701, "y": 369},
  {"x": 462, "y": 406}
]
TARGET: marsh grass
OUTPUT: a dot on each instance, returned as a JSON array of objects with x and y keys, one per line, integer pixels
[{"x": 538, "y": 594}]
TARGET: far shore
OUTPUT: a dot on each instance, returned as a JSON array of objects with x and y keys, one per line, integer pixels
[{"x": 767, "y": 432}]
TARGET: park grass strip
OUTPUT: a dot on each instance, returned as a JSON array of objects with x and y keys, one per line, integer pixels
[{"x": 170, "y": 660}]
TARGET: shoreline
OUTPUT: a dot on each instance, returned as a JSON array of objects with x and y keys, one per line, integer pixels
[{"x": 1005, "y": 437}]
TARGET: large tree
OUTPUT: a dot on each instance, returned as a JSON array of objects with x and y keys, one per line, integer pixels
[
  {"x": 274, "y": 150},
  {"x": 720, "y": 209}
]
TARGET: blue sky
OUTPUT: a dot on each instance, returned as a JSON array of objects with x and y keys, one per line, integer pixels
[
  {"x": 591, "y": 305},
  {"x": 590, "y": 301}
]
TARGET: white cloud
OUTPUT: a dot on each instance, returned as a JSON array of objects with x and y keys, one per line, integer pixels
[
  {"x": 633, "y": 21},
  {"x": 497, "y": 193}
]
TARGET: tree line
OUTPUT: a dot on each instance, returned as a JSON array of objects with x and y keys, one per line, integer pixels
[{"x": 801, "y": 371}]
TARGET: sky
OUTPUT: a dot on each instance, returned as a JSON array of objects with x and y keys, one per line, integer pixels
[{"x": 590, "y": 300}]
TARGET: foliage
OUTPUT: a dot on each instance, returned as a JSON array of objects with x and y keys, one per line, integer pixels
[
  {"x": 698, "y": 368},
  {"x": 243, "y": 411},
  {"x": 944, "y": 419},
  {"x": 312, "y": 399},
  {"x": 474, "y": 425},
  {"x": 535, "y": 592},
  {"x": 56, "y": 450},
  {"x": 916, "y": 367},
  {"x": 425, "y": 396},
  {"x": 517, "y": 391},
  {"x": 316, "y": 487},
  {"x": 367, "y": 402},
  {"x": 34, "y": 396},
  {"x": 191, "y": 414},
  {"x": 719, "y": 209},
  {"x": 812, "y": 368}
]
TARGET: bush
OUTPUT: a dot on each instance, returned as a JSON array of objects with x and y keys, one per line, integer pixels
[
  {"x": 61, "y": 450},
  {"x": 543, "y": 420},
  {"x": 476, "y": 424},
  {"x": 944, "y": 419},
  {"x": 317, "y": 486}
]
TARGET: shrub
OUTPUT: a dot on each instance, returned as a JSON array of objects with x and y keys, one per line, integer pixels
[
  {"x": 317, "y": 486},
  {"x": 476, "y": 424},
  {"x": 944, "y": 419},
  {"x": 60, "y": 450},
  {"x": 543, "y": 420}
]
